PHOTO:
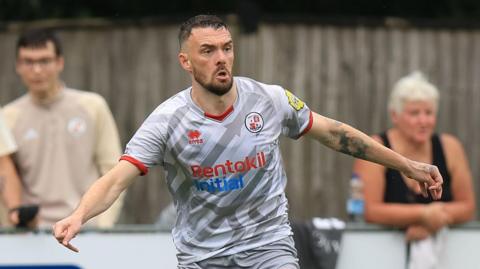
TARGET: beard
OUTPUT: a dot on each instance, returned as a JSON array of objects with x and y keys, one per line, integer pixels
[{"x": 215, "y": 87}]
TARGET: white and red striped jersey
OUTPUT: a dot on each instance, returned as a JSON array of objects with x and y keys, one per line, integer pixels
[{"x": 225, "y": 172}]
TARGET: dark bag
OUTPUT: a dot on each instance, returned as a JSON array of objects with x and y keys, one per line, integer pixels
[
  {"x": 317, "y": 242},
  {"x": 26, "y": 213}
]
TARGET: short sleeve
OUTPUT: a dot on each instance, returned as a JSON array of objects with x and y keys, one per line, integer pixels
[
  {"x": 147, "y": 146},
  {"x": 296, "y": 116}
]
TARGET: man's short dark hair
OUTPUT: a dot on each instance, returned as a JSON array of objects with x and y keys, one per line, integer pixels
[
  {"x": 38, "y": 38},
  {"x": 199, "y": 21}
]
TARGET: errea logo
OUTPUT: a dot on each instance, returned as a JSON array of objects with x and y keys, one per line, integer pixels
[{"x": 194, "y": 137}]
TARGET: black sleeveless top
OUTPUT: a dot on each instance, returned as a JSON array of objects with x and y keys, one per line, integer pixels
[{"x": 396, "y": 191}]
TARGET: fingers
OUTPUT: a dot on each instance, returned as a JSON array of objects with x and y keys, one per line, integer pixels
[
  {"x": 63, "y": 234},
  {"x": 436, "y": 192},
  {"x": 58, "y": 231},
  {"x": 423, "y": 189},
  {"x": 436, "y": 188},
  {"x": 435, "y": 184},
  {"x": 436, "y": 176},
  {"x": 71, "y": 247},
  {"x": 69, "y": 236}
]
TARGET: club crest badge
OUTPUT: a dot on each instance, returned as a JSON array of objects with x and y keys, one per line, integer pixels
[
  {"x": 77, "y": 126},
  {"x": 254, "y": 122},
  {"x": 294, "y": 102}
]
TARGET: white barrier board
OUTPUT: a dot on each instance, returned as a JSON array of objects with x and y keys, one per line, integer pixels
[
  {"x": 97, "y": 251},
  {"x": 359, "y": 249},
  {"x": 372, "y": 250}
]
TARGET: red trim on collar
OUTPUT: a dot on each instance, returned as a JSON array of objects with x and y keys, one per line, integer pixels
[
  {"x": 220, "y": 117},
  {"x": 143, "y": 169}
]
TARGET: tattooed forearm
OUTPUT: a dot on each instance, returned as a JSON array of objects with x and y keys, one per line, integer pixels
[
  {"x": 339, "y": 139},
  {"x": 351, "y": 145},
  {"x": 330, "y": 139}
]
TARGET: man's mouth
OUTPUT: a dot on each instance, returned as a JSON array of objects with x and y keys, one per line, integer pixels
[
  {"x": 222, "y": 75},
  {"x": 37, "y": 81}
]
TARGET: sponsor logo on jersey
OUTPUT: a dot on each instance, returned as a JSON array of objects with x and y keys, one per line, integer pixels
[
  {"x": 294, "y": 102},
  {"x": 225, "y": 176},
  {"x": 194, "y": 137},
  {"x": 254, "y": 122}
]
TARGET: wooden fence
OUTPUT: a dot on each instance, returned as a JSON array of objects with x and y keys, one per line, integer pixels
[{"x": 344, "y": 72}]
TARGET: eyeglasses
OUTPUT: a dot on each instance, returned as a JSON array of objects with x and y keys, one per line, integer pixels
[{"x": 42, "y": 62}]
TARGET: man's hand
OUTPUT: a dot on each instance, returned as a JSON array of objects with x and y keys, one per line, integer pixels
[
  {"x": 427, "y": 176},
  {"x": 66, "y": 229},
  {"x": 13, "y": 217}
]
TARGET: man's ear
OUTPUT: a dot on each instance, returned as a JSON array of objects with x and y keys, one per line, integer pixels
[
  {"x": 60, "y": 61},
  {"x": 184, "y": 61}
]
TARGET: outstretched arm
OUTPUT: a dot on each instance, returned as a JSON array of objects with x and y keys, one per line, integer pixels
[
  {"x": 97, "y": 199},
  {"x": 344, "y": 138}
]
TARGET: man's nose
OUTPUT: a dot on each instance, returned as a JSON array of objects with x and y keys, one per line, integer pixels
[
  {"x": 221, "y": 57},
  {"x": 36, "y": 67}
]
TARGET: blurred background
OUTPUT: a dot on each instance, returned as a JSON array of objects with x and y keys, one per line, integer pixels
[
  {"x": 128, "y": 9},
  {"x": 341, "y": 57}
]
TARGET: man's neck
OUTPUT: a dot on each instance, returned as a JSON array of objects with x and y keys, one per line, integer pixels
[
  {"x": 48, "y": 96},
  {"x": 211, "y": 103}
]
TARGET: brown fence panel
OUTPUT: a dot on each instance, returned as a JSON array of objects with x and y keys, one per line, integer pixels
[{"x": 341, "y": 72}]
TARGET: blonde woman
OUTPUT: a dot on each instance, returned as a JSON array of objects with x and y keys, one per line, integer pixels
[{"x": 391, "y": 199}]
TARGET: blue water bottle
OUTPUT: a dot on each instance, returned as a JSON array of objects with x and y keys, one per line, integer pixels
[{"x": 355, "y": 203}]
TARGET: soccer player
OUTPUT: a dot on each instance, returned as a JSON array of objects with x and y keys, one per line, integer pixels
[{"x": 218, "y": 142}]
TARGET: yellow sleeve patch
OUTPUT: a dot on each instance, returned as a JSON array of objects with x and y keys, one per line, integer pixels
[{"x": 296, "y": 103}]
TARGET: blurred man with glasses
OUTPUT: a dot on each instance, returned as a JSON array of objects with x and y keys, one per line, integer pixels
[{"x": 66, "y": 138}]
